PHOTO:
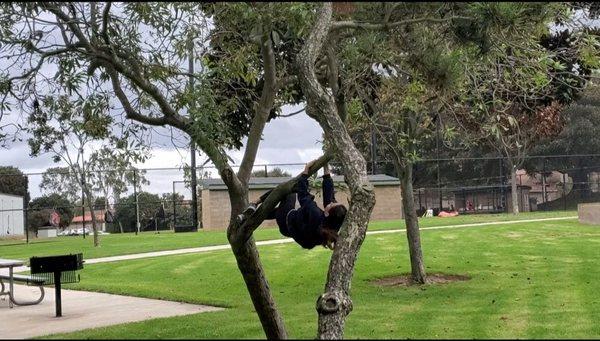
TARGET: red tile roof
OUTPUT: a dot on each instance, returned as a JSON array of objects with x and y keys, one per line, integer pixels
[{"x": 88, "y": 217}]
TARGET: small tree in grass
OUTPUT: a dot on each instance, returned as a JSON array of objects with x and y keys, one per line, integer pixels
[
  {"x": 59, "y": 180},
  {"x": 65, "y": 129}
]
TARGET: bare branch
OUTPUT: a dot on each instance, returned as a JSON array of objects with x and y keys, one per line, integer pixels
[
  {"x": 293, "y": 113},
  {"x": 263, "y": 108},
  {"x": 340, "y": 25}
]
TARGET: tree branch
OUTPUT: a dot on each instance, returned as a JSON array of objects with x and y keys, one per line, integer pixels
[
  {"x": 129, "y": 111},
  {"x": 340, "y": 25},
  {"x": 293, "y": 113},
  {"x": 104, "y": 32},
  {"x": 263, "y": 108}
]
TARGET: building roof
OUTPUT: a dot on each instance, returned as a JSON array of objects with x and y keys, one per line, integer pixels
[
  {"x": 88, "y": 217},
  {"x": 271, "y": 182}
]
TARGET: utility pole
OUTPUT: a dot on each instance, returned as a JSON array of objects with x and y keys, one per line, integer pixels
[
  {"x": 83, "y": 203},
  {"x": 192, "y": 143}
]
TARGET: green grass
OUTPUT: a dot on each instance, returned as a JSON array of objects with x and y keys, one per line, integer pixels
[
  {"x": 529, "y": 280},
  {"x": 128, "y": 243}
]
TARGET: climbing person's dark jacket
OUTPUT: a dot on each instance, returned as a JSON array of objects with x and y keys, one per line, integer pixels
[{"x": 304, "y": 223}]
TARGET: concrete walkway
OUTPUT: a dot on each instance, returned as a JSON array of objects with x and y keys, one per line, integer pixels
[
  {"x": 83, "y": 310},
  {"x": 290, "y": 240}
]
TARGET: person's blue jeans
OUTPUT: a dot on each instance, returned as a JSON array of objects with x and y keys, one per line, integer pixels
[{"x": 280, "y": 212}]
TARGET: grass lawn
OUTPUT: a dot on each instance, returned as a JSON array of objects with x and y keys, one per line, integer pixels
[
  {"x": 528, "y": 280},
  {"x": 128, "y": 243}
]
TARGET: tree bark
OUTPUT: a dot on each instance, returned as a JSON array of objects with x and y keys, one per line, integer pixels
[
  {"x": 417, "y": 265},
  {"x": 248, "y": 262},
  {"x": 335, "y": 303},
  {"x": 92, "y": 215}
]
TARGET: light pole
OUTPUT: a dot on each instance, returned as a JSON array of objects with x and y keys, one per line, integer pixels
[{"x": 192, "y": 143}]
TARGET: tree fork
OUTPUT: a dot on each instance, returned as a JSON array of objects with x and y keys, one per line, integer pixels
[{"x": 335, "y": 304}]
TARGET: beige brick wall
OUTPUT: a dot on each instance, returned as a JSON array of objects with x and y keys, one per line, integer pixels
[
  {"x": 216, "y": 207},
  {"x": 589, "y": 213}
]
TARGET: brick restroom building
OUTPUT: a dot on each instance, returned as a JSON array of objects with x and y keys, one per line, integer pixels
[{"x": 216, "y": 207}]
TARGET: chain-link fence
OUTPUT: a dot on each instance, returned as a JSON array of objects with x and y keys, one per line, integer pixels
[
  {"x": 485, "y": 185},
  {"x": 139, "y": 200}
]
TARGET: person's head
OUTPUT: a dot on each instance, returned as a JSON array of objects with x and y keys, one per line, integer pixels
[
  {"x": 335, "y": 213},
  {"x": 334, "y": 217}
]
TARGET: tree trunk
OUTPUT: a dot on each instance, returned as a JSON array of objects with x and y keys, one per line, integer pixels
[
  {"x": 249, "y": 264},
  {"x": 117, "y": 199},
  {"x": 92, "y": 215},
  {"x": 335, "y": 304},
  {"x": 513, "y": 187},
  {"x": 417, "y": 265}
]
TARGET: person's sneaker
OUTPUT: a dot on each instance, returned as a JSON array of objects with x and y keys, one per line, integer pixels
[
  {"x": 247, "y": 212},
  {"x": 250, "y": 209}
]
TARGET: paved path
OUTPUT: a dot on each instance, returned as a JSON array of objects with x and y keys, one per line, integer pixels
[
  {"x": 83, "y": 310},
  {"x": 290, "y": 240},
  {"x": 283, "y": 241}
]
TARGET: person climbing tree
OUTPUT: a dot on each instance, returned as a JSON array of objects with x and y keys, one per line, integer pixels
[{"x": 308, "y": 225}]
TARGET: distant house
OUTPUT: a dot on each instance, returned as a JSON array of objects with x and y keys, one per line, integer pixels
[
  {"x": 551, "y": 187},
  {"x": 78, "y": 221},
  {"x": 12, "y": 221},
  {"x": 490, "y": 199},
  {"x": 216, "y": 207}
]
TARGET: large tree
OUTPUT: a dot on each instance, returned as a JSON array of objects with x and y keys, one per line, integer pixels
[
  {"x": 518, "y": 89},
  {"x": 65, "y": 127},
  {"x": 136, "y": 53},
  {"x": 581, "y": 135},
  {"x": 59, "y": 180},
  {"x": 13, "y": 181},
  {"x": 54, "y": 202},
  {"x": 111, "y": 170},
  {"x": 125, "y": 215}
]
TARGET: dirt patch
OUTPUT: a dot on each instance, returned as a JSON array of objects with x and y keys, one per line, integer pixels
[{"x": 406, "y": 280}]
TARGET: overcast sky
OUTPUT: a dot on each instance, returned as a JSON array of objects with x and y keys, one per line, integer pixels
[
  {"x": 294, "y": 139},
  {"x": 285, "y": 140}
]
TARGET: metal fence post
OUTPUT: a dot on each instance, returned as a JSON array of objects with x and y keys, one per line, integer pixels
[
  {"x": 564, "y": 190},
  {"x": 544, "y": 192},
  {"x": 174, "y": 208},
  {"x": 137, "y": 210},
  {"x": 25, "y": 227},
  {"x": 502, "y": 193}
]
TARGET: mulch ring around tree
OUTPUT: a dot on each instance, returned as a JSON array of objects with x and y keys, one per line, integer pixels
[{"x": 406, "y": 280}]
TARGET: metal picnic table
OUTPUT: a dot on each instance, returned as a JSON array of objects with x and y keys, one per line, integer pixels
[{"x": 11, "y": 264}]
